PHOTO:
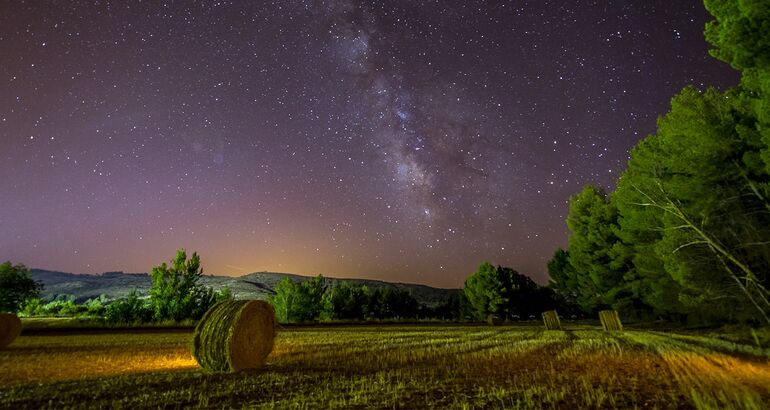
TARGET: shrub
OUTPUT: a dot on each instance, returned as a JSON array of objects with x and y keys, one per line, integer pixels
[
  {"x": 32, "y": 307},
  {"x": 130, "y": 309}
]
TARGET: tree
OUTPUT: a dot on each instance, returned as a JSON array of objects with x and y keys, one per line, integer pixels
[
  {"x": 600, "y": 260},
  {"x": 504, "y": 293},
  {"x": 391, "y": 303},
  {"x": 563, "y": 279},
  {"x": 176, "y": 293},
  {"x": 740, "y": 32},
  {"x": 685, "y": 233},
  {"x": 283, "y": 299},
  {"x": 524, "y": 297},
  {"x": 16, "y": 286},
  {"x": 733, "y": 266},
  {"x": 400, "y": 303},
  {"x": 454, "y": 308},
  {"x": 130, "y": 309},
  {"x": 692, "y": 194},
  {"x": 345, "y": 301},
  {"x": 298, "y": 301},
  {"x": 485, "y": 292}
]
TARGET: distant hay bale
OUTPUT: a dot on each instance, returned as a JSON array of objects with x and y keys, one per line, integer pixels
[
  {"x": 551, "y": 320},
  {"x": 235, "y": 335},
  {"x": 610, "y": 320},
  {"x": 10, "y": 328}
]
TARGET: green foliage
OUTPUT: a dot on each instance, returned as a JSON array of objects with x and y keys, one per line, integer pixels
[
  {"x": 345, "y": 301},
  {"x": 176, "y": 293},
  {"x": 456, "y": 308},
  {"x": 564, "y": 284},
  {"x": 562, "y": 276},
  {"x": 388, "y": 303},
  {"x": 741, "y": 32},
  {"x": 16, "y": 286},
  {"x": 32, "y": 307},
  {"x": 693, "y": 186},
  {"x": 64, "y": 305},
  {"x": 298, "y": 301},
  {"x": 311, "y": 300},
  {"x": 131, "y": 309},
  {"x": 597, "y": 257},
  {"x": 685, "y": 233},
  {"x": 504, "y": 293},
  {"x": 484, "y": 291},
  {"x": 96, "y": 307},
  {"x": 223, "y": 295}
]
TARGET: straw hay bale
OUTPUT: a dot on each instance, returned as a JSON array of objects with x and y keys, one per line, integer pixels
[
  {"x": 610, "y": 320},
  {"x": 235, "y": 335},
  {"x": 10, "y": 328},
  {"x": 551, "y": 320}
]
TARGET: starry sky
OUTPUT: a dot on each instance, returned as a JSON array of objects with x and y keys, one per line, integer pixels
[{"x": 395, "y": 140}]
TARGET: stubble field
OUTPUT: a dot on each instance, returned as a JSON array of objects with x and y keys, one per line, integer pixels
[{"x": 392, "y": 366}]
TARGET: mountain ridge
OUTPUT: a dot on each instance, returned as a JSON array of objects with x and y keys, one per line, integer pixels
[{"x": 255, "y": 285}]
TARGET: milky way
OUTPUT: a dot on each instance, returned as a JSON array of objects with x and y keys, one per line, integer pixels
[{"x": 397, "y": 140}]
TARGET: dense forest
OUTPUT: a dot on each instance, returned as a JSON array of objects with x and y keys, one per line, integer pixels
[{"x": 685, "y": 235}]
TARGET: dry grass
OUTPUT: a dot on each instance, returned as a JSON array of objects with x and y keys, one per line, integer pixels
[
  {"x": 396, "y": 367},
  {"x": 55, "y": 358}
]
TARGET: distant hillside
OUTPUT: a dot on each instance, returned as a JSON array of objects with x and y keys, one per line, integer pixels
[{"x": 257, "y": 285}]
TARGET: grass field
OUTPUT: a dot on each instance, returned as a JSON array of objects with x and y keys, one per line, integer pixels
[{"x": 414, "y": 366}]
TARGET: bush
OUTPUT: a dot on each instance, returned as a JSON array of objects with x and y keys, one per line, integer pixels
[
  {"x": 130, "y": 309},
  {"x": 96, "y": 307},
  {"x": 32, "y": 307},
  {"x": 223, "y": 295},
  {"x": 63, "y": 308}
]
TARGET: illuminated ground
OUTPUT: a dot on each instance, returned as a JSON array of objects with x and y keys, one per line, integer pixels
[{"x": 393, "y": 366}]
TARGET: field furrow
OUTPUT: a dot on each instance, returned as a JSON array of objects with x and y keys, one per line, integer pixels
[{"x": 393, "y": 367}]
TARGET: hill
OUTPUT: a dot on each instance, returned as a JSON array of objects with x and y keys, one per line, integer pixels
[{"x": 257, "y": 285}]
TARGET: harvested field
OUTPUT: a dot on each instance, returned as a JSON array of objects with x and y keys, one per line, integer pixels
[{"x": 413, "y": 366}]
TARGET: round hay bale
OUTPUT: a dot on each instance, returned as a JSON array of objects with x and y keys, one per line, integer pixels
[
  {"x": 235, "y": 335},
  {"x": 10, "y": 328}
]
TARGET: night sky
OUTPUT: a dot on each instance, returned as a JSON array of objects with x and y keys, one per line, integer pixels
[{"x": 396, "y": 140}]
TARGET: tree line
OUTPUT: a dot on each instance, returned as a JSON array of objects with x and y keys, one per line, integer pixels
[
  {"x": 175, "y": 295},
  {"x": 490, "y": 294},
  {"x": 685, "y": 234}
]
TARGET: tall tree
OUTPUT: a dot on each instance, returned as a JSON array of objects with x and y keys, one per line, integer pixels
[
  {"x": 699, "y": 186},
  {"x": 692, "y": 208},
  {"x": 485, "y": 292},
  {"x": 740, "y": 32},
  {"x": 176, "y": 293},
  {"x": 562, "y": 275},
  {"x": 387, "y": 302},
  {"x": 503, "y": 293},
  {"x": 298, "y": 301},
  {"x": 602, "y": 268},
  {"x": 345, "y": 301},
  {"x": 523, "y": 296}
]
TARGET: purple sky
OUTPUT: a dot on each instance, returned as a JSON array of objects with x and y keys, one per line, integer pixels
[{"x": 395, "y": 140}]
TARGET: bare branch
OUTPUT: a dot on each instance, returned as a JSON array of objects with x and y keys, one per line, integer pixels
[{"x": 689, "y": 244}]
